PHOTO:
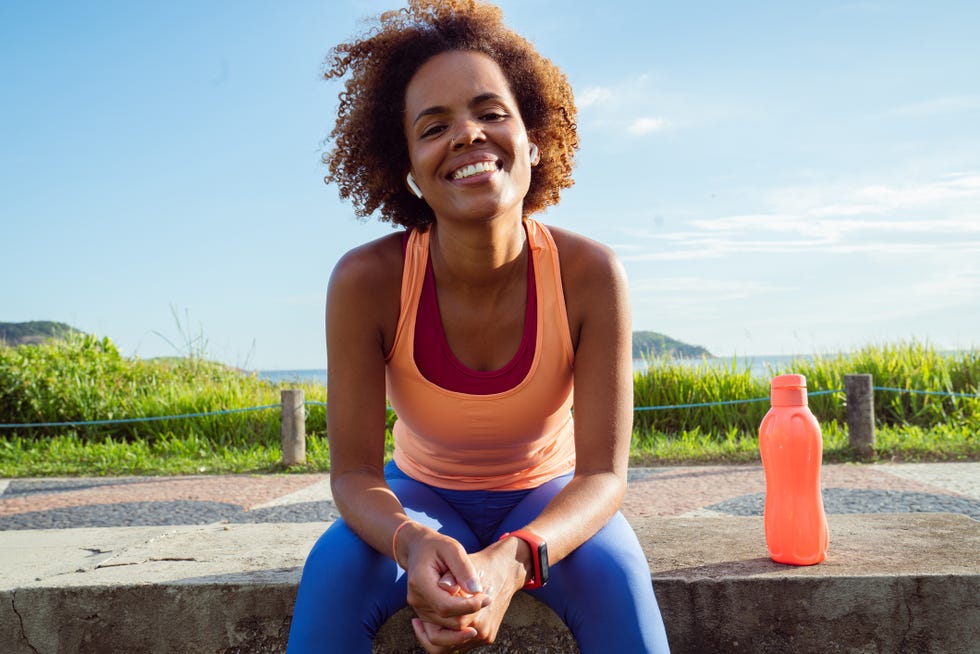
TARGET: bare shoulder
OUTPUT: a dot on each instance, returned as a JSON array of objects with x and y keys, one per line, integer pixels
[
  {"x": 364, "y": 295},
  {"x": 594, "y": 285},
  {"x": 586, "y": 264},
  {"x": 373, "y": 265}
]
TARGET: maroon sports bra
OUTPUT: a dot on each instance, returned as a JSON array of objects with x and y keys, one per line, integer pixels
[{"x": 438, "y": 364}]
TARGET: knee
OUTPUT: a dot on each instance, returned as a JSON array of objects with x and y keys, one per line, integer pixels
[
  {"x": 346, "y": 592},
  {"x": 611, "y": 559},
  {"x": 340, "y": 558},
  {"x": 604, "y": 593}
]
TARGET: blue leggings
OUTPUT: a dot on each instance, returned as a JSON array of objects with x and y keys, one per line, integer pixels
[{"x": 602, "y": 591}]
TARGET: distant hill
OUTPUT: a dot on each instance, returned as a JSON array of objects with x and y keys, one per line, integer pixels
[
  {"x": 39, "y": 331},
  {"x": 32, "y": 333},
  {"x": 646, "y": 344}
]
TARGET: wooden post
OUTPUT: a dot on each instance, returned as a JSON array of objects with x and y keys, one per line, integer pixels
[
  {"x": 860, "y": 414},
  {"x": 293, "y": 427}
]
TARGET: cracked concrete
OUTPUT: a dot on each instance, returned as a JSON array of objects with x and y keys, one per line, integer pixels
[
  {"x": 81, "y": 557},
  {"x": 20, "y": 623}
]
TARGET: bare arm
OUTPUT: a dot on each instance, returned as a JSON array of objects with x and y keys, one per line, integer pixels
[
  {"x": 362, "y": 309},
  {"x": 597, "y": 299},
  {"x": 356, "y": 385}
]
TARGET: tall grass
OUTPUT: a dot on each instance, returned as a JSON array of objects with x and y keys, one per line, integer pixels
[
  {"x": 85, "y": 379},
  {"x": 909, "y": 367},
  {"x": 906, "y": 366},
  {"x": 666, "y": 383}
]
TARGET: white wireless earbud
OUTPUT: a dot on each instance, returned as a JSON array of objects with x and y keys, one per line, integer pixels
[{"x": 414, "y": 186}]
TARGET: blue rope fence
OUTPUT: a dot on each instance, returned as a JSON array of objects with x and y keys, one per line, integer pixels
[
  {"x": 123, "y": 421},
  {"x": 974, "y": 396},
  {"x": 265, "y": 407},
  {"x": 720, "y": 403}
]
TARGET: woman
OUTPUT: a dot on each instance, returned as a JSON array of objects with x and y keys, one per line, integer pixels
[{"x": 482, "y": 328}]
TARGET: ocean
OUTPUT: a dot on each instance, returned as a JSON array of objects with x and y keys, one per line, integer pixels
[
  {"x": 311, "y": 376},
  {"x": 759, "y": 365}
]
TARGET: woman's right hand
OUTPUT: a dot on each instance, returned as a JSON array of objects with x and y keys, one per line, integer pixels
[{"x": 431, "y": 556}]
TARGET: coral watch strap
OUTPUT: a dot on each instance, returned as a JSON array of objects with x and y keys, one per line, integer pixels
[{"x": 539, "y": 557}]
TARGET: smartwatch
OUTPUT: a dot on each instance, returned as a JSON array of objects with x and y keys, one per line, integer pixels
[{"x": 539, "y": 557}]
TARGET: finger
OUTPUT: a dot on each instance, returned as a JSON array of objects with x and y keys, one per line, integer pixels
[
  {"x": 453, "y": 612},
  {"x": 448, "y": 583},
  {"x": 442, "y": 637},
  {"x": 433, "y": 637},
  {"x": 447, "y": 605},
  {"x": 421, "y": 636},
  {"x": 464, "y": 572}
]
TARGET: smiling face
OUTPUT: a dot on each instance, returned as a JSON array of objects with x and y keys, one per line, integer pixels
[{"x": 467, "y": 145}]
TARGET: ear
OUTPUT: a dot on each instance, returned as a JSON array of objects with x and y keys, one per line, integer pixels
[
  {"x": 535, "y": 154},
  {"x": 413, "y": 185}
]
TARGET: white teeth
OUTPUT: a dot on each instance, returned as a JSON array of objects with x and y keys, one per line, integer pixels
[{"x": 475, "y": 169}]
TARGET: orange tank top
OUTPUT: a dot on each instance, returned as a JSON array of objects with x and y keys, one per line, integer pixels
[{"x": 516, "y": 439}]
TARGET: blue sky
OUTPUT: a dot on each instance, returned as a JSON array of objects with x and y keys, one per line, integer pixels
[{"x": 778, "y": 177}]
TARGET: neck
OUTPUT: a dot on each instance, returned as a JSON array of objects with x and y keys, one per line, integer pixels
[{"x": 478, "y": 256}]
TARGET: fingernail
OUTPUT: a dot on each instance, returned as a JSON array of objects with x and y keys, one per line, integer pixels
[{"x": 473, "y": 586}]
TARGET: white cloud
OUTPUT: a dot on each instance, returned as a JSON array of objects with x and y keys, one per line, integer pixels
[
  {"x": 830, "y": 228},
  {"x": 950, "y": 104},
  {"x": 614, "y": 107},
  {"x": 647, "y": 125},
  {"x": 948, "y": 192},
  {"x": 695, "y": 288},
  {"x": 961, "y": 288},
  {"x": 700, "y": 248},
  {"x": 940, "y": 218},
  {"x": 953, "y": 187},
  {"x": 844, "y": 210},
  {"x": 592, "y": 96}
]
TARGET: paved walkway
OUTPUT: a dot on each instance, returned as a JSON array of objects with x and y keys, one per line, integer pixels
[{"x": 688, "y": 491}]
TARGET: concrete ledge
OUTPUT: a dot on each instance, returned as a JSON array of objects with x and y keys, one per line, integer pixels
[{"x": 892, "y": 583}]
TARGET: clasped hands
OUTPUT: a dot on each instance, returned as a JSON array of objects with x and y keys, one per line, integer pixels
[{"x": 457, "y": 616}]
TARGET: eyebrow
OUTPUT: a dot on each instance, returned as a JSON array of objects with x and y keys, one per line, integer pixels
[{"x": 483, "y": 97}]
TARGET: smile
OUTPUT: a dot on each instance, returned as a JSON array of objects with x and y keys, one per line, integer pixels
[{"x": 474, "y": 169}]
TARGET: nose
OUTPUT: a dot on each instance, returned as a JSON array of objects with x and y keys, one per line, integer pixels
[{"x": 468, "y": 133}]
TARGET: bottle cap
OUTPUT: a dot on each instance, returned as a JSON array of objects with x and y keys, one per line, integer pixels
[{"x": 788, "y": 390}]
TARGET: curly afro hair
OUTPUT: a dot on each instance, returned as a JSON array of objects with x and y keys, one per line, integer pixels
[{"x": 369, "y": 156}]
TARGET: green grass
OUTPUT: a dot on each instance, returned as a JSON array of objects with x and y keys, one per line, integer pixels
[
  {"x": 85, "y": 378},
  {"x": 906, "y": 444},
  {"x": 911, "y": 366},
  {"x": 70, "y": 455},
  {"x": 909, "y": 427}
]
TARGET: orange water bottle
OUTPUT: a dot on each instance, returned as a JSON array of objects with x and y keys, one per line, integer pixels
[{"x": 792, "y": 452}]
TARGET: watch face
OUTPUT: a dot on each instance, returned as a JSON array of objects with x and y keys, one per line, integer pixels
[{"x": 543, "y": 562}]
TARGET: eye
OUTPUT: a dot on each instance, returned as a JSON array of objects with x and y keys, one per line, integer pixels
[
  {"x": 432, "y": 130},
  {"x": 493, "y": 116}
]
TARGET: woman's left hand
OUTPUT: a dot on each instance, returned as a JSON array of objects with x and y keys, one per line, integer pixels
[{"x": 503, "y": 575}]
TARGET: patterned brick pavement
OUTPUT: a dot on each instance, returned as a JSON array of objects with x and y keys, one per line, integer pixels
[{"x": 662, "y": 491}]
